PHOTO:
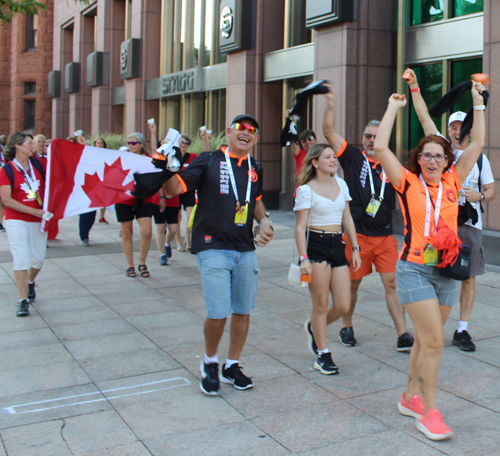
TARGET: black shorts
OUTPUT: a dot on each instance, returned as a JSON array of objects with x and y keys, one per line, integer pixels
[
  {"x": 126, "y": 212},
  {"x": 169, "y": 215},
  {"x": 326, "y": 247},
  {"x": 187, "y": 199}
]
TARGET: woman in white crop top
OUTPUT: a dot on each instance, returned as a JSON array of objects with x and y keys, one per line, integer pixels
[{"x": 321, "y": 249}]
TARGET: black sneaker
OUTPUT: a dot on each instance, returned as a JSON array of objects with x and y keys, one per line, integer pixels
[
  {"x": 325, "y": 364},
  {"x": 209, "y": 378},
  {"x": 311, "y": 343},
  {"x": 235, "y": 376},
  {"x": 347, "y": 337},
  {"x": 463, "y": 340},
  {"x": 23, "y": 308},
  {"x": 31, "y": 292},
  {"x": 405, "y": 342}
]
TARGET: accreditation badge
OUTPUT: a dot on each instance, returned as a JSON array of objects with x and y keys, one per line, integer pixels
[
  {"x": 373, "y": 207},
  {"x": 430, "y": 256},
  {"x": 241, "y": 216},
  {"x": 31, "y": 195}
]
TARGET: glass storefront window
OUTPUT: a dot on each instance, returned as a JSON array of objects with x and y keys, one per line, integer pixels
[
  {"x": 463, "y": 7},
  {"x": 423, "y": 11},
  {"x": 461, "y": 70},
  {"x": 430, "y": 80},
  {"x": 295, "y": 24}
]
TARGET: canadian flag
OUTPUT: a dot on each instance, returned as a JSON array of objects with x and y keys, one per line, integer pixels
[{"x": 80, "y": 178}]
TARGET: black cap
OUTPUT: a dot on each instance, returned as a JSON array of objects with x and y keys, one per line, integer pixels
[{"x": 245, "y": 116}]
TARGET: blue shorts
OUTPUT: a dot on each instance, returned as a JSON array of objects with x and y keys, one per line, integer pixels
[
  {"x": 229, "y": 280},
  {"x": 416, "y": 282}
]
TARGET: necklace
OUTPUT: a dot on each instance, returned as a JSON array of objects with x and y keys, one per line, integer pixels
[{"x": 323, "y": 185}]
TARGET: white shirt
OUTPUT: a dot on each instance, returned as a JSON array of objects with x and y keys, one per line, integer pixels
[
  {"x": 324, "y": 211},
  {"x": 473, "y": 181}
]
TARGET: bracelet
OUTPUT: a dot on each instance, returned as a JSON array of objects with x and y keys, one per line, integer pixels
[
  {"x": 416, "y": 89},
  {"x": 356, "y": 248},
  {"x": 304, "y": 257},
  {"x": 479, "y": 108},
  {"x": 162, "y": 197}
]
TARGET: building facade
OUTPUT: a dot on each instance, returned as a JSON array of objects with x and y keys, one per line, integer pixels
[
  {"x": 26, "y": 60},
  {"x": 175, "y": 61}
]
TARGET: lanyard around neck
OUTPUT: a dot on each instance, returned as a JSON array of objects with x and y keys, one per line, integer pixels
[
  {"x": 437, "y": 208},
  {"x": 233, "y": 180},
  {"x": 372, "y": 187},
  {"x": 30, "y": 180}
]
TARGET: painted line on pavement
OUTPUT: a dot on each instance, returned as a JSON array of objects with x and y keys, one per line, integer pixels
[{"x": 14, "y": 409}]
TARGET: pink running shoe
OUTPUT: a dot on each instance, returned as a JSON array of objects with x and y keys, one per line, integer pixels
[
  {"x": 414, "y": 407},
  {"x": 432, "y": 425}
]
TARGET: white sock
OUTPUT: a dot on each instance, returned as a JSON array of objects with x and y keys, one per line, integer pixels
[
  {"x": 211, "y": 359},
  {"x": 462, "y": 326},
  {"x": 31, "y": 283},
  {"x": 321, "y": 352},
  {"x": 230, "y": 362},
  {"x": 167, "y": 245}
]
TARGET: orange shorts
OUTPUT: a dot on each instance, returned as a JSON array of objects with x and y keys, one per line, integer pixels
[{"x": 379, "y": 250}]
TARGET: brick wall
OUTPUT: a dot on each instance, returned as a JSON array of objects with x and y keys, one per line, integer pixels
[{"x": 20, "y": 66}]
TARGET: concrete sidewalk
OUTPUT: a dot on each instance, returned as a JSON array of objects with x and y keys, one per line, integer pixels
[{"x": 108, "y": 365}]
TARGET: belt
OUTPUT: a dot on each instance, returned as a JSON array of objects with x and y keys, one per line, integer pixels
[{"x": 325, "y": 232}]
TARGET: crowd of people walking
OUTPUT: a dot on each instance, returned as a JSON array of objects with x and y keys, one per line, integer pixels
[{"x": 343, "y": 206}]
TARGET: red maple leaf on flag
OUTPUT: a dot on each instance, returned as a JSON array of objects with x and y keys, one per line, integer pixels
[{"x": 111, "y": 189}]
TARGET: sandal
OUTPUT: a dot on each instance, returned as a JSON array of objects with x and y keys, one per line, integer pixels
[
  {"x": 131, "y": 272},
  {"x": 181, "y": 248},
  {"x": 143, "y": 269}
]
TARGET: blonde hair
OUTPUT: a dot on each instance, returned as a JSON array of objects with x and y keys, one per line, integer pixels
[
  {"x": 39, "y": 138},
  {"x": 308, "y": 171}
]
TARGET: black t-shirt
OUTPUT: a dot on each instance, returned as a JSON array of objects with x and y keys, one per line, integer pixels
[
  {"x": 356, "y": 176},
  {"x": 214, "y": 226}
]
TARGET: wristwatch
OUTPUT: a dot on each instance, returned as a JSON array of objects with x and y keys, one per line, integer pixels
[
  {"x": 356, "y": 248},
  {"x": 482, "y": 197}
]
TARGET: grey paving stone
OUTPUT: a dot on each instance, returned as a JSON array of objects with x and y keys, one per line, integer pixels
[
  {"x": 94, "y": 431},
  {"x": 359, "y": 379},
  {"x": 97, "y": 312},
  {"x": 40, "y": 439},
  {"x": 12, "y": 323},
  {"x": 145, "y": 308},
  {"x": 26, "y": 339},
  {"x": 132, "y": 296},
  {"x": 44, "y": 377},
  {"x": 37, "y": 355},
  {"x": 128, "y": 364},
  {"x": 67, "y": 305},
  {"x": 377, "y": 445},
  {"x": 102, "y": 346},
  {"x": 243, "y": 438},
  {"x": 93, "y": 329},
  {"x": 307, "y": 428},
  {"x": 130, "y": 449},
  {"x": 276, "y": 396}
]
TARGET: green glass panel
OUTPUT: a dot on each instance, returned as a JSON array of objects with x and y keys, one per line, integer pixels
[
  {"x": 430, "y": 80},
  {"x": 461, "y": 70},
  {"x": 463, "y": 7},
  {"x": 423, "y": 11}
]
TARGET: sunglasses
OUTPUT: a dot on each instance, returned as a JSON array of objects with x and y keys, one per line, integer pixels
[
  {"x": 369, "y": 137},
  {"x": 133, "y": 143},
  {"x": 242, "y": 127},
  {"x": 310, "y": 138}
]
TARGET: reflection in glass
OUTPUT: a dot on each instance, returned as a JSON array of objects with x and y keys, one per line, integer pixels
[
  {"x": 423, "y": 11},
  {"x": 463, "y": 7},
  {"x": 461, "y": 70},
  {"x": 197, "y": 32},
  {"x": 430, "y": 81},
  {"x": 209, "y": 19}
]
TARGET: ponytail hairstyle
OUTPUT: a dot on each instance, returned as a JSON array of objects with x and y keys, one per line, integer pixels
[
  {"x": 15, "y": 139},
  {"x": 308, "y": 171}
]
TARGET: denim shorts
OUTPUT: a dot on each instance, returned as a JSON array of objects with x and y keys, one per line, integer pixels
[
  {"x": 416, "y": 282},
  {"x": 229, "y": 280},
  {"x": 326, "y": 247}
]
